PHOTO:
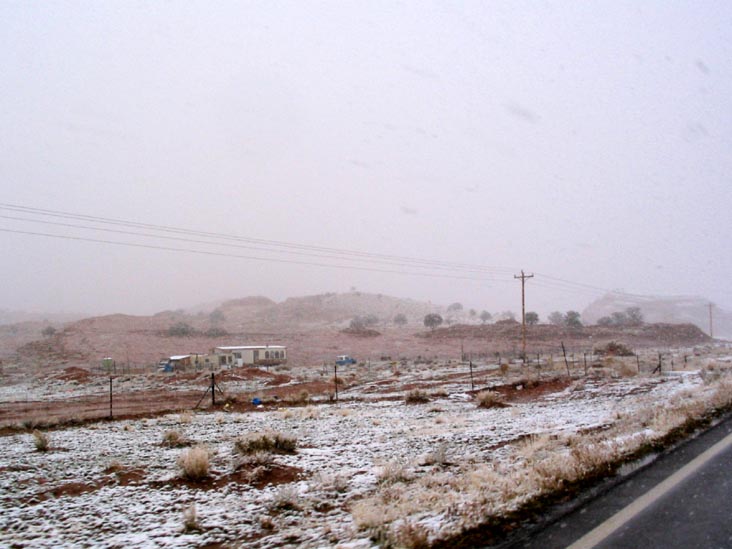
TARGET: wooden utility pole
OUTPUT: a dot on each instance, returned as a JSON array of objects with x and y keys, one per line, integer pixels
[
  {"x": 523, "y": 278},
  {"x": 335, "y": 380},
  {"x": 711, "y": 326}
]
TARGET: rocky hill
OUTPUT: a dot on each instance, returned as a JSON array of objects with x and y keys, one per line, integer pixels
[
  {"x": 317, "y": 311},
  {"x": 249, "y": 320},
  {"x": 672, "y": 310}
]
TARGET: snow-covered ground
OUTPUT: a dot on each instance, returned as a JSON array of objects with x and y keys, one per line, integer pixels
[{"x": 344, "y": 454}]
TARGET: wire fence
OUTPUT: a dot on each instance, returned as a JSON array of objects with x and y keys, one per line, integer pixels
[{"x": 112, "y": 398}]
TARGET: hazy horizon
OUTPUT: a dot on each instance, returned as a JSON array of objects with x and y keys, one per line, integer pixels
[{"x": 586, "y": 143}]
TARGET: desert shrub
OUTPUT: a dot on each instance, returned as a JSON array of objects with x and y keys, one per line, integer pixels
[
  {"x": 190, "y": 519},
  {"x": 174, "y": 439},
  {"x": 252, "y": 461},
  {"x": 266, "y": 522},
  {"x": 185, "y": 417},
  {"x": 265, "y": 442},
  {"x": 613, "y": 348},
  {"x": 309, "y": 412},
  {"x": 626, "y": 370},
  {"x": 286, "y": 498},
  {"x": 41, "y": 441},
  {"x": 438, "y": 456},
  {"x": 711, "y": 372},
  {"x": 194, "y": 463},
  {"x": 415, "y": 396},
  {"x": 393, "y": 472},
  {"x": 180, "y": 329},
  {"x": 409, "y": 536},
  {"x": 331, "y": 483},
  {"x": 303, "y": 397},
  {"x": 285, "y": 444},
  {"x": 527, "y": 382},
  {"x": 490, "y": 399},
  {"x": 503, "y": 368},
  {"x": 216, "y": 331},
  {"x": 722, "y": 396},
  {"x": 114, "y": 467}
]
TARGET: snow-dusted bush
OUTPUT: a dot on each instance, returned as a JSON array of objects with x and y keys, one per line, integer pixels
[
  {"x": 490, "y": 399},
  {"x": 415, "y": 396},
  {"x": 190, "y": 519},
  {"x": 438, "y": 456},
  {"x": 392, "y": 472},
  {"x": 194, "y": 463},
  {"x": 41, "y": 441},
  {"x": 174, "y": 439},
  {"x": 286, "y": 498},
  {"x": 265, "y": 442}
]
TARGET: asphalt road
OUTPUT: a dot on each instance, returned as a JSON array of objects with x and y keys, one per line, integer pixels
[{"x": 683, "y": 499}]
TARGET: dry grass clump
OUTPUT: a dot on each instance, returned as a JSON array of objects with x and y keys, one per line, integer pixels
[
  {"x": 286, "y": 498},
  {"x": 438, "y": 456},
  {"x": 41, "y": 441},
  {"x": 194, "y": 463},
  {"x": 185, "y": 417},
  {"x": 190, "y": 520},
  {"x": 626, "y": 370},
  {"x": 175, "y": 439},
  {"x": 614, "y": 348},
  {"x": 332, "y": 483},
  {"x": 535, "y": 446},
  {"x": 309, "y": 412},
  {"x": 115, "y": 466},
  {"x": 415, "y": 396},
  {"x": 303, "y": 397},
  {"x": 265, "y": 442},
  {"x": 711, "y": 373},
  {"x": 490, "y": 399},
  {"x": 722, "y": 396},
  {"x": 473, "y": 493},
  {"x": 257, "y": 459},
  {"x": 393, "y": 472},
  {"x": 409, "y": 535}
]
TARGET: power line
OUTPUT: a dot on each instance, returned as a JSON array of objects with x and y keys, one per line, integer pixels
[
  {"x": 493, "y": 273},
  {"x": 267, "y": 242},
  {"x": 229, "y": 245},
  {"x": 221, "y": 254}
]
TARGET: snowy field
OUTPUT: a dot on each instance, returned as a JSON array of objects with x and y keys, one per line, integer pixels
[{"x": 114, "y": 484}]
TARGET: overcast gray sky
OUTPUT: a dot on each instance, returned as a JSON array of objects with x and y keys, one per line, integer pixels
[{"x": 588, "y": 141}]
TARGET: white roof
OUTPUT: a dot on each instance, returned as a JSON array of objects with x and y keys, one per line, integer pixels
[
  {"x": 179, "y": 357},
  {"x": 246, "y": 347}
]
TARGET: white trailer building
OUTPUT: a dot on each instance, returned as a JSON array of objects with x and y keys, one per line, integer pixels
[{"x": 251, "y": 355}]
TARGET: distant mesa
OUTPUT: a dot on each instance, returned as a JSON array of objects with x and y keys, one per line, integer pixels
[{"x": 658, "y": 309}]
